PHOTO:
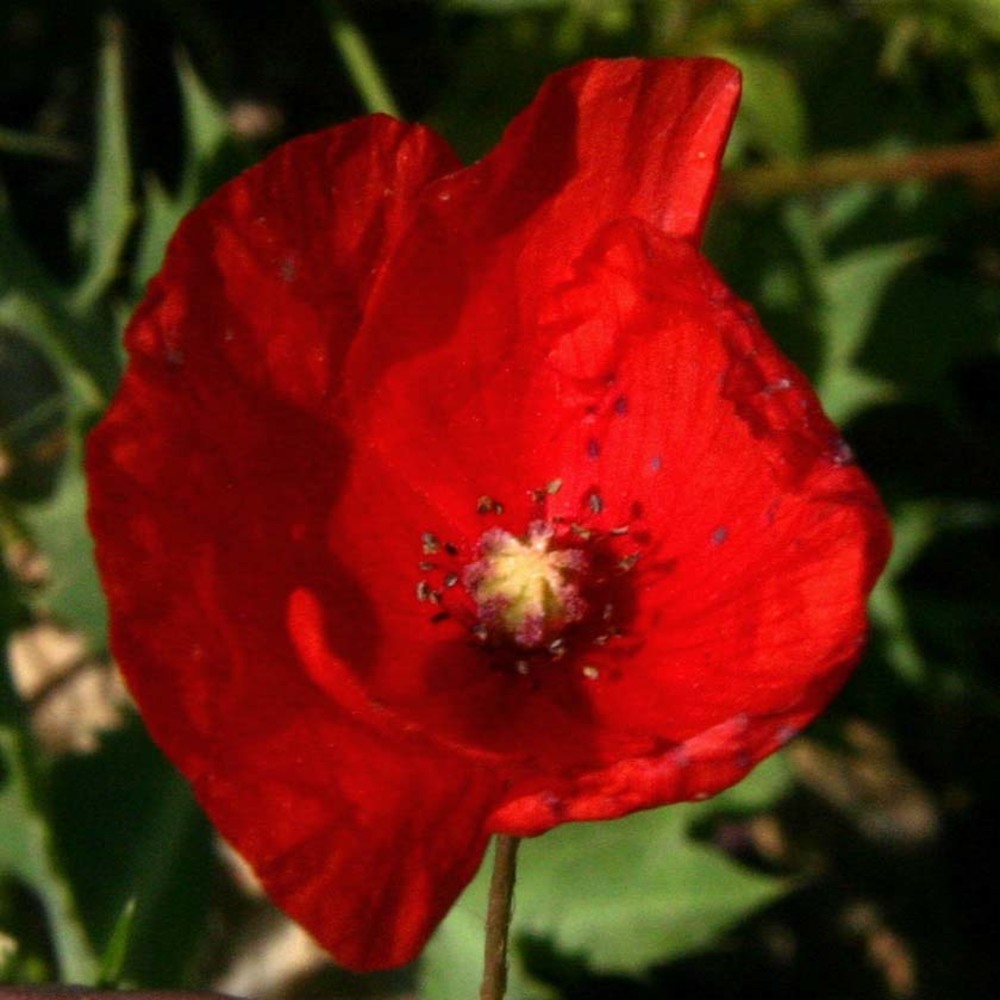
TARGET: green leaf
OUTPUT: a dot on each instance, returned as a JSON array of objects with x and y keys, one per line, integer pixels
[
  {"x": 913, "y": 528},
  {"x": 127, "y": 828},
  {"x": 772, "y": 113},
  {"x": 207, "y": 133},
  {"x": 49, "y": 330},
  {"x": 26, "y": 853},
  {"x": 109, "y": 211},
  {"x": 638, "y": 891},
  {"x": 931, "y": 319},
  {"x": 34, "y": 305},
  {"x": 206, "y": 124},
  {"x": 987, "y": 16},
  {"x": 59, "y": 528},
  {"x": 109, "y": 976},
  {"x": 984, "y": 82},
  {"x": 160, "y": 215},
  {"x": 26, "y": 850},
  {"x": 854, "y": 287},
  {"x": 359, "y": 61},
  {"x": 622, "y": 895}
]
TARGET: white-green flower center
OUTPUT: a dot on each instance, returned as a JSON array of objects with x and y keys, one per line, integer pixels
[{"x": 527, "y": 591}]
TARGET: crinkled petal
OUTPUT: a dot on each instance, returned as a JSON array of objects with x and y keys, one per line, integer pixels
[
  {"x": 614, "y": 139},
  {"x": 604, "y": 140},
  {"x": 212, "y": 478},
  {"x": 267, "y": 281},
  {"x": 357, "y": 359},
  {"x": 646, "y": 384}
]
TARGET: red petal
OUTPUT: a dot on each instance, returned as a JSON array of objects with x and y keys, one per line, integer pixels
[
  {"x": 645, "y": 381},
  {"x": 605, "y": 140},
  {"x": 613, "y": 139},
  {"x": 346, "y": 349},
  {"x": 266, "y": 282},
  {"x": 211, "y": 479}
]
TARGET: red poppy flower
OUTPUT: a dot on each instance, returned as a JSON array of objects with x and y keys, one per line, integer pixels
[{"x": 441, "y": 501}]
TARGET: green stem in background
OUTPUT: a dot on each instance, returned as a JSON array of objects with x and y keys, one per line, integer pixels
[
  {"x": 26, "y": 847},
  {"x": 359, "y": 61},
  {"x": 977, "y": 162},
  {"x": 498, "y": 914},
  {"x": 35, "y": 144}
]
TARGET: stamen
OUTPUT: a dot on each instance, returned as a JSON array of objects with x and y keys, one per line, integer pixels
[
  {"x": 549, "y": 490},
  {"x": 527, "y": 591}
]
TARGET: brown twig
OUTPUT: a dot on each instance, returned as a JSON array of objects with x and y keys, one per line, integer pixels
[
  {"x": 978, "y": 162},
  {"x": 498, "y": 914}
]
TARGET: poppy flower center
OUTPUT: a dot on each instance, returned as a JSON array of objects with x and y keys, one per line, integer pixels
[
  {"x": 526, "y": 589},
  {"x": 561, "y": 590}
]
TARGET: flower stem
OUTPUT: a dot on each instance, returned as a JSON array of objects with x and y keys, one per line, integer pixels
[
  {"x": 978, "y": 162},
  {"x": 498, "y": 913}
]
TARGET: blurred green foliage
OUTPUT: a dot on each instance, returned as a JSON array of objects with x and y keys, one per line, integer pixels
[{"x": 114, "y": 123}]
